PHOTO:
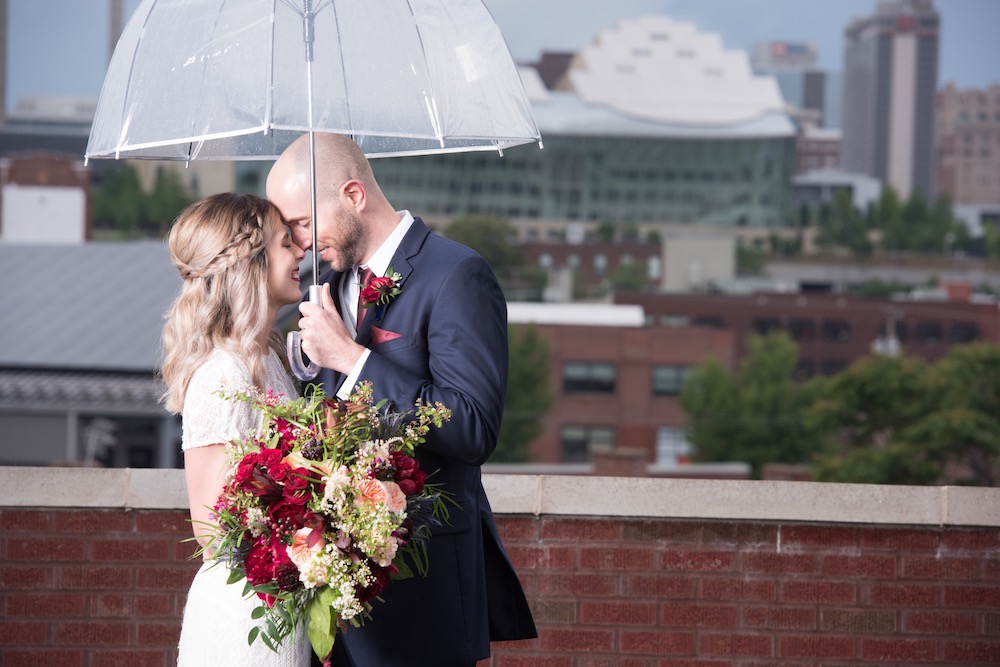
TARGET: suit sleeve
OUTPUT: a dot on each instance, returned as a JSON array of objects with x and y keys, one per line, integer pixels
[{"x": 466, "y": 362}]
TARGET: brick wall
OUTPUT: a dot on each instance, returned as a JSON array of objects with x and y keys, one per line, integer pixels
[{"x": 97, "y": 587}]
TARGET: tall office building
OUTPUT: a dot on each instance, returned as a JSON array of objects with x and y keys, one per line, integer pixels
[
  {"x": 890, "y": 83},
  {"x": 969, "y": 144},
  {"x": 804, "y": 85}
]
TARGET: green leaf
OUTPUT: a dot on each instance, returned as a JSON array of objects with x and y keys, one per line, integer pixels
[
  {"x": 253, "y": 635},
  {"x": 258, "y": 612},
  {"x": 322, "y": 629}
]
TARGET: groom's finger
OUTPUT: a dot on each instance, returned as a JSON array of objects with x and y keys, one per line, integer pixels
[{"x": 326, "y": 299}]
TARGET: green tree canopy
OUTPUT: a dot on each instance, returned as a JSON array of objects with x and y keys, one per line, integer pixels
[
  {"x": 754, "y": 415},
  {"x": 528, "y": 394},
  {"x": 493, "y": 237}
]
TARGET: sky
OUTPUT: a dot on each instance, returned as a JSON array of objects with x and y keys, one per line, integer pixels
[{"x": 60, "y": 47}]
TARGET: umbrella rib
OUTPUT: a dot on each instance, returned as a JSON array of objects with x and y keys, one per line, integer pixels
[
  {"x": 128, "y": 85},
  {"x": 343, "y": 74},
  {"x": 435, "y": 112}
]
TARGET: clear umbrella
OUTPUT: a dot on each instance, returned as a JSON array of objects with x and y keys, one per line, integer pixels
[{"x": 241, "y": 79}]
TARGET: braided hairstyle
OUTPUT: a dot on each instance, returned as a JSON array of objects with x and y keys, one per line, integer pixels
[{"x": 218, "y": 245}]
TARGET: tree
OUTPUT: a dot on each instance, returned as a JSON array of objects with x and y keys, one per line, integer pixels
[
  {"x": 755, "y": 415},
  {"x": 629, "y": 276},
  {"x": 168, "y": 199},
  {"x": 903, "y": 421},
  {"x": 493, "y": 238},
  {"x": 528, "y": 394},
  {"x": 118, "y": 204}
]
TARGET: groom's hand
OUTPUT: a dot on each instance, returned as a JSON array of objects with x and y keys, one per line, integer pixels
[{"x": 324, "y": 336}]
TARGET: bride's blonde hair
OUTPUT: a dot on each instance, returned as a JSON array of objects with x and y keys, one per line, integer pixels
[{"x": 218, "y": 244}]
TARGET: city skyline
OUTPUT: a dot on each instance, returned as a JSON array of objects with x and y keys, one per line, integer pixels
[{"x": 530, "y": 27}]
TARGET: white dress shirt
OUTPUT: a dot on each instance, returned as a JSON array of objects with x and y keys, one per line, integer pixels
[{"x": 350, "y": 287}]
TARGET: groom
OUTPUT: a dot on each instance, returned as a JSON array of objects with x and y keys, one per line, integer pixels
[{"x": 443, "y": 338}]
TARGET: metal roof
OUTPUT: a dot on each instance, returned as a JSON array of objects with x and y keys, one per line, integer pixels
[{"x": 95, "y": 306}]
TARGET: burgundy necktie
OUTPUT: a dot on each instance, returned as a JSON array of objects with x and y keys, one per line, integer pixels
[{"x": 364, "y": 277}]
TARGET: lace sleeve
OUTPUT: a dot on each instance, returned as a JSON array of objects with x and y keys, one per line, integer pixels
[{"x": 208, "y": 418}]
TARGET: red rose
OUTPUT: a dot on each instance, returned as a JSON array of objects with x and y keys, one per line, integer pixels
[
  {"x": 289, "y": 514},
  {"x": 286, "y": 435},
  {"x": 297, "y": 486},
  {"x": 409, "y": 476},
  {"x": 268, "y": 562},
  {"x": 259, "y": 483},
  {"x": 269, "y": 457},
  {"x": 377, "y": 289}
]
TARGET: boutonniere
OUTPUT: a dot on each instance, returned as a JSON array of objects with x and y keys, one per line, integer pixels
[{"x": 381, "y": 291}]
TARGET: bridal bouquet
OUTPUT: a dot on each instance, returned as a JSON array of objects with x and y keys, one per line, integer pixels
[{"x": 324, "y": 508}]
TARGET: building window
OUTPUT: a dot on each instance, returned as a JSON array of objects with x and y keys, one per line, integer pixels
[
  {"x": 762, "y": 325},
  {"x": 669, "y": 380},
  {"x": 802, "y": 329},
  {"x": 710, "y": 321},
  {"x": 576, "y": 443},
  {"x": 588, "y": 377},
  {"x": 545, "y": 260},
  {"x": 600, "y": 265},
  {"x": 672, "y": 446},
  {"x": 837, "y": 331},
  {"x": 963, "y": 332},
  {"x": 928, "y": 333}
]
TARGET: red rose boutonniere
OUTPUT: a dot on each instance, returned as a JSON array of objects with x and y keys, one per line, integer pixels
[{"x": 380, "y": 291}]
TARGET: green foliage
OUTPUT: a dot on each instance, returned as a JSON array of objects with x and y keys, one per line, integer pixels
[
  {"x": 528, "y": 394},
  {"x": 873, "y": 288},
  {"x": 903, "y": 421},
  {"x": 844, "y": 227},
  {"x": 629, "y": 277},
  {"x": 489, "y": 235},
  {"x": 122, "y": 205},
  {"x": 749, "y": 261},
  {"x": 917, "y": 226},
  {"x": 755, "y": 415}
]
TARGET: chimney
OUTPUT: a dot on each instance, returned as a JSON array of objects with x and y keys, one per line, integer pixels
[{"x": 115, "y": 26}]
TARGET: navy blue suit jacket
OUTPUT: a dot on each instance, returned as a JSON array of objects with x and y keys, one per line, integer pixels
[{"x": 451, "y": 322}]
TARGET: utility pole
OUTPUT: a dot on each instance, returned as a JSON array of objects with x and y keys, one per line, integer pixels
[{"x": 115, "y": 25}]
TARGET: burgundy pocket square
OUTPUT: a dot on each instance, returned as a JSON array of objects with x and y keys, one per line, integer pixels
[{"x": 380, "y": 336}]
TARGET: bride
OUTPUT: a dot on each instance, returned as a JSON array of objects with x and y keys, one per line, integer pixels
[{"x": 239, "y": 266}]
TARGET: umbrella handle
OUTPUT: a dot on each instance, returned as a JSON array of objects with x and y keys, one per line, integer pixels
[{"x": 293, "y": 346}]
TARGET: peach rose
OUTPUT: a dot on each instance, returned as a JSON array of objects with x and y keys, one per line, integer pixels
[
  {"x": 386, "y": 493},
  {"x": 300, "y": 552}
]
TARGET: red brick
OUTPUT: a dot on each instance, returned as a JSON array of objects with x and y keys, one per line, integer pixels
[
  {"x": 657, "y": 643},
  {"x": 881, "y": 567},
  {"x": 15, "y": 633},
  {"x": 550, "y": 558},
  {"x": 61, "y": 605},
  {"x": 743, "y": 536},
  {"x": 700, "y": 561},
  {"x": 617, "y": 559},
  {"x": 940, "y": 623},
  {"x": 813, "y": 646},
  {"x": 158, "y": 634},
  {"x": 104, "y": 578},
  {"x": 112, "y": 605},
  {"x": 14, "y": 577},
  {"x": 574, "y": 641},
  {"x": 971, "y": 540},
  {"x": 658, "y": 587},
  {"x": 905, "y": 540},
  {"x": 531, "y": 661},
  {"x": 24, "y": 521},
  {"x": 153, "y": 606},
  {"x": 984, "y": 653},
  {"x": 972, "y": 596},
  {"x": 729, "y": 644},
  {"x": 131, "y": 550},
  {"x": 693, "y": 615},
  {"x": 47, "y": 549},
  {"x": 617, "y": 613},
  {"x": 818, "y": 592},
  {"x": 514, "y": 529},
  {"x": 582, "y": 530},
  {"x": 129, "y": 658},
  {"x": 747, "y": 590},
  {"x": 164, "y": 578},
  {"x": 991, "y": 625},
  {"x": 940, "y": 568},
  {"x": 669, "y": 532},
  {"x": 904, "y": 595},
  {"x": 47, "y": 657},
  {"x": 772, "y": 563},
  {"x": 555, "y": 612},
  {"x": 101, "y": 633},
  {"x": 92, "y": 521},
  {"x": 779, "y": 618},
  {"x": 581, "y": 585},
  {"x": 159, "y": 521},
  {"x": 825, "y": 536},
  {"x": 857, "y": 622},
  {"x": 899, "y": 650}
]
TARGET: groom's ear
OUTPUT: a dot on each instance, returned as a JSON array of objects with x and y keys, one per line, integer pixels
[{"x": 353, "y": 193}]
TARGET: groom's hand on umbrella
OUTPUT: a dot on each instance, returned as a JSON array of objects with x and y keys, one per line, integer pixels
[{"x": 324, "y": 336}]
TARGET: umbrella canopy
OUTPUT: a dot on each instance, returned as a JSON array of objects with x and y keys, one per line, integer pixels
[{"x": 241, "y": 79}]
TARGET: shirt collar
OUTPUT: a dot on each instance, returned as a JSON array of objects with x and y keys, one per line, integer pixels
[{"x": 380, "y": 259}]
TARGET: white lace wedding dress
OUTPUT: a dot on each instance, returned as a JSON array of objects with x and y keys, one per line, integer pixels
[{"x": 217, "y": 617}]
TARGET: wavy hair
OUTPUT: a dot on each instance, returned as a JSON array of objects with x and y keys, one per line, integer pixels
[{"x": 218, "y": 245}]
